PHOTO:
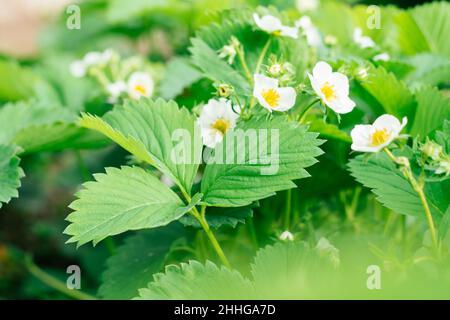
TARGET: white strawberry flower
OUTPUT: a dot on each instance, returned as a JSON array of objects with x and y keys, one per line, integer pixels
[
  {"x": 216, "y": 118},
  {"x": 273, "y": 25},
  {"x": 374, "y": 137},
  {"x": 115, "y": 89},
  {"x": 140, "y": 84},
  {"x": 361, "y": 40},
  {"x": 311, "y": 33},
  {"x": 307, "y": 5},
  {"x": 271, "y": 96},
  {"x": 331, "y": 87},
  {"x": 382, "y": 57}
]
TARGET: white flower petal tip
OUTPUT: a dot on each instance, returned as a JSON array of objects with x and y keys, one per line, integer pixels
[
  {"x": 361, "y": 40},
  {"x": 374, "y": 137},
  {"x": 271, "y": 96},
  {"x": 307, "y": 5},
  {"x": 273, "y": 25},
  {"x": 286, "y": 236},
  {"x": 382, "y": 57},
  {"x": 332, "y": 88},
  {"x": 140, "y": 84},
  {"x": 216, "y": 118}
]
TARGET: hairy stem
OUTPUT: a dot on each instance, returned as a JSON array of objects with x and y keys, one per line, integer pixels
[
  {"x": 302, "y": 116},
  {"x": 419, "y": 189},
  {"x": 262, "y": 55},
  {"x": 55, "y": 283},
  {"x": 287, "y": 211},
  {"x": 248, "y": 74}
]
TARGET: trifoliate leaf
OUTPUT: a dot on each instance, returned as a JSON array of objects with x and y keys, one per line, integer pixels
[
  {"x": 149, "y": 130},
  {"x": 432, "y": 107},
  {"x": 392, "y": 94},
  {"x": 393, "y": 190},
  {"x": 193, "y": 280},
  {"x": 119, "y": 200},
  {"x": 179, "y": 75},
  {"x": 10, "y": 173},
  {"x": 217, "y": 217},
  {"x": 141, "y": 256},
  {"x": 257, "y": 168}
]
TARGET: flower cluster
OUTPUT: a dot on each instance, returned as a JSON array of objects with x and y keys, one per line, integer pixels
[{"x": 117, "y": 77}]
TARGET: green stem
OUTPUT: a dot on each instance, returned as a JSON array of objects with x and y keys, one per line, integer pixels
[
  {"x": 248, "y": 74},
  {"x": 55, "y": 283},
  {"x": 262, "y": 55},
  {"x": 202, "y": 220},
  {"x": 287, "y": 212},
  {"x": 252, "y": 232},
  {"x": 302, "y": 116},
  {"x": 419, "y": 189}
]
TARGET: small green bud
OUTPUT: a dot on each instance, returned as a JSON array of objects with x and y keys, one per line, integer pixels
[{"x": 225, "y": 90}]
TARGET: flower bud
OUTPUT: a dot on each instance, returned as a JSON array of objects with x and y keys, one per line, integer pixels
[
  {"x": 431, "y": 150},
  {"x": 275, "y": 70},
  {"x": 225, "y": 90},
  {"x": 286, "y": 236}
]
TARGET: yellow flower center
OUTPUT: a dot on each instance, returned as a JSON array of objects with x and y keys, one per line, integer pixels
[
  {"x": 379, "y": 137},
  {"x": 271, "y": 96},
  {"x": 139, "y": 88},
  {"x": 329, "y": 92},
  {"x": 221, "y": 125}
]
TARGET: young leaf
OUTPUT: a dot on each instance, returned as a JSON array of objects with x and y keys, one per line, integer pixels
[
  {"x": 215, "y": 68},
  {"x": 257, "y": 169},
  {"x": 10, "y": 173},
  {"x": 391, "y": 93},
  {"x": 432, "y": 107},
  {"x": 123, "y": 199},
  {"x": 197, "y": 281},
  {"x": 142, "y": 255},
  {"x": 433, "y": 19},
  {"x": 392, "y": 189},
  {"x": 148, "y": 129}
]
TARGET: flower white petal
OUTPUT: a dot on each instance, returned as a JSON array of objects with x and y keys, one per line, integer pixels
[
  {"x": 267, "y": 23},
  {"x": 115, "y": 89},
  {"x": 92, "y": 58},
  {"x": 307, "y": 5},
  {"x": 287, "y": 99},
  {"x": 289, "y": 32},
  {"x": 343, "y": 104},
  {"x": 78, "y": 69},
  {"x": 361, "y": 136},
  {"x": 322, "y": 71},
  {"x": 304, "y": 22},
  {"x": 363, "y": 41},
  {"x": 262, "y": 82},
  {"x": 382, "y": 57}
]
